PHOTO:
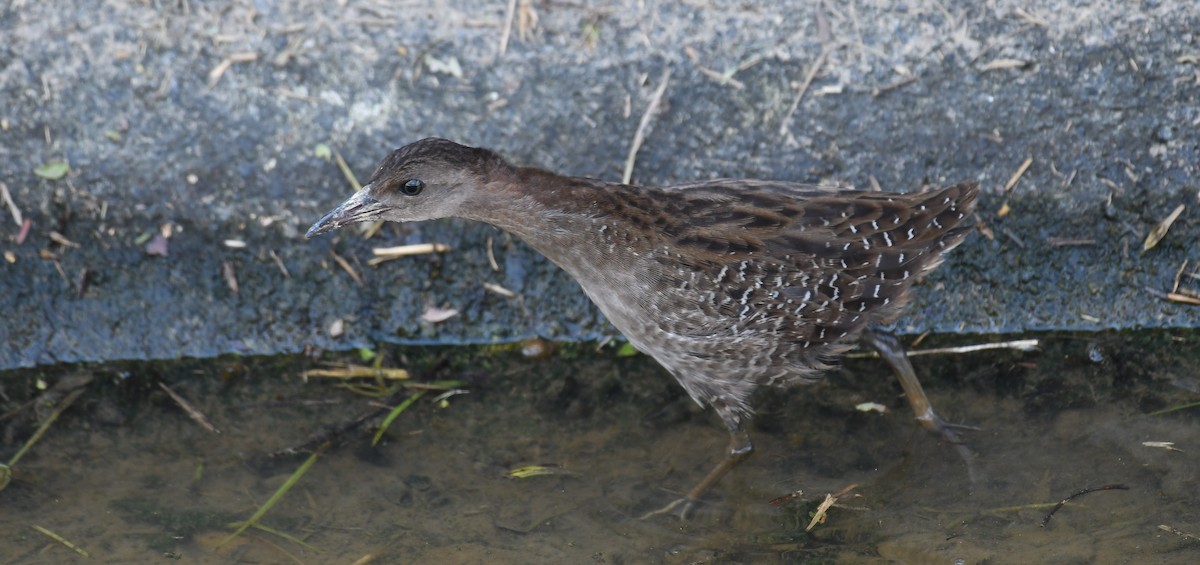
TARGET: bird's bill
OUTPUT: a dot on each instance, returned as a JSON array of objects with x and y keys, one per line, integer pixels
[{"x": 358, "y": 208}]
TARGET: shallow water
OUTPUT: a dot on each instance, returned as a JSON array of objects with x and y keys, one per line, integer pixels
[{"x": 126, "y": 475}]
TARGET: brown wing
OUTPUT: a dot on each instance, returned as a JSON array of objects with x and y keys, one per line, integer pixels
[{"x": 816, "y": 265}]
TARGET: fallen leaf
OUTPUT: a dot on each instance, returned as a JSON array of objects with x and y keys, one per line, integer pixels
[
  {"x": 434, "y": 315},
  {"x": 157, "y": 245},
  {"x": 1160, "y": 231},
  {"x": 53, "y": 170}
]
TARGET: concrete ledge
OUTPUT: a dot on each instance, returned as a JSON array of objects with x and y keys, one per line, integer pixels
[{"x": 209, "y": 121}]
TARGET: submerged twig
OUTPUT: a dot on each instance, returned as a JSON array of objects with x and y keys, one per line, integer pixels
[
  {"x": 42, "y": 429},
  {"x": 1060, "y": 504},
  {"x": 61, "y": 540},
  {"x": 1179, "y": 533},
  {"x": 192, "y": 412}
]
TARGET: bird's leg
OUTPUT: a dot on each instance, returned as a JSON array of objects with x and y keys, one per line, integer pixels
[
  {"x": 740, "y": 448},
  {"x": 892, "y": 352}
]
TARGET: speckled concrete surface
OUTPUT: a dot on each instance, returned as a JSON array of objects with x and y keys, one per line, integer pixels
[{"x": 207, "y": 118}]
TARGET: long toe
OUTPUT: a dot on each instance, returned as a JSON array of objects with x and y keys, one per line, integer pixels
[{"x": 681, "y": 508}]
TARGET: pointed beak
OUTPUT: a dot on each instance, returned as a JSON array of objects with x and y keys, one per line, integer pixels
[{"x": 359, "y": 208}]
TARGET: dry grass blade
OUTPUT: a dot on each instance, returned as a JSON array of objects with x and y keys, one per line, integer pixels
[
  {"x": 1160, "y": 230},
  {"x": 640, "y": 135},
  {"x": 819, "y": 516},
  {"x": 393, "y": 414},
  {"x": 191, "y": 411},
  {"x": 42, "y": 429},
  {"x": 60, "y": 539},
  {"x": 357, "y": 372}
]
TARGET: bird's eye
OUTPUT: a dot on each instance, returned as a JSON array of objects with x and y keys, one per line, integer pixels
[{"x": 413, "y": 187}]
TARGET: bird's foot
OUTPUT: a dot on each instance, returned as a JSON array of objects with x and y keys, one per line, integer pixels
[
  {"x": 944, "y": 431},
  {"x": 681, "y": 508}
]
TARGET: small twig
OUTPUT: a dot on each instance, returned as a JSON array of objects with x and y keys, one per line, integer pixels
[
  {"x": 1060, "y": 504},
  {"x": 1069, "y": 242},
  {"x": 1167, "y": 445},
  {"x": 808, "y": 78},
  {"x": 62, "y": 240},
  {"x": 214, "y": 76},
  {"x": 12, "y": 206},
  {"x": 1002, "y": 64},
  {"x": 345, "y": 265},
  {"x": 1016, "y": 177},
  {"x": 900, "y": 82},
  {"x": 499, "y": 290},
  {"x": 830, "y": 500},
  {"x": 383, "y": 254},
  {"x": 191, "y": 411},
  {"x": 1070, "y": 179},
  {"x": 1019, "y": 345},
  {"x": 1013, "y": 236},
  {"x": 230, "y": 276},
  {"x": 1173, "y": 296},
  {"x": 1179, "y": 533},
  {"x": 640, "y": 135},
  {"x": 1179, "y": 275},
  {"x": 279, "y": 263},
  {"x": 491, "y": 255},
  {"x": 346, "y": 172},
  {"x": 357, "y": 372},
  {"x": 507, "y": 31}
]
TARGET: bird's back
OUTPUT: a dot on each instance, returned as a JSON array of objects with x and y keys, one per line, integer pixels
[{"x": 765, "y": 281}]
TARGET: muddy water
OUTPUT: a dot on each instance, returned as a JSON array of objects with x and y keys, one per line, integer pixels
[{"x": 127, "y": 476}]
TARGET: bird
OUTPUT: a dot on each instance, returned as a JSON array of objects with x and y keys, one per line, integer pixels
[{"x": 729, "y": 284}]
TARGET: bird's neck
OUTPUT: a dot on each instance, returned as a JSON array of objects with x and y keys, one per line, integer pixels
[
  {"x": 535, "y": 204},
  {"x": 561, "y": 217}
]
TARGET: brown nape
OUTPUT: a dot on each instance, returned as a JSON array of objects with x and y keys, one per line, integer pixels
[
  {"x": 729, "y": 284},
  {"x": 435, "y": 151}
]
